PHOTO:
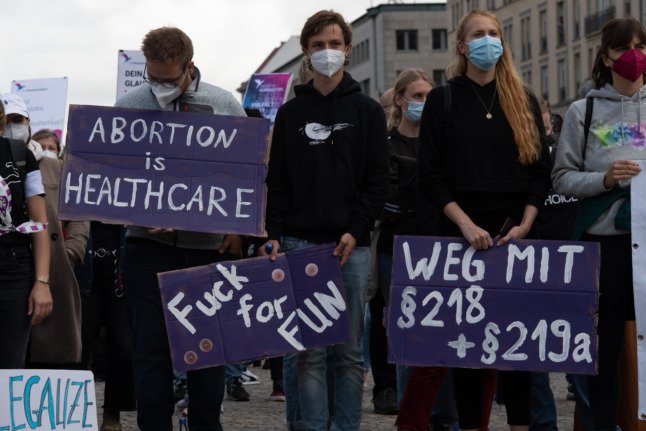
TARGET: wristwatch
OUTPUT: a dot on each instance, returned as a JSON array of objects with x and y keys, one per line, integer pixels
[{"x": 41, "y": 279}]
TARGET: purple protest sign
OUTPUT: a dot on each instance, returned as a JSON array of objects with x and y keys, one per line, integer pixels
[
  {"x": 528, "y": 305},
  {"x": 179, "y": 170},
  {"x": 229, "y": 312}
]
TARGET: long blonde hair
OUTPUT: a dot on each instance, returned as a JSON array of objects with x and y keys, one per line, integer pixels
[
  {"x": 511, "y": 92},
  {"x": 404, "y": 79}
]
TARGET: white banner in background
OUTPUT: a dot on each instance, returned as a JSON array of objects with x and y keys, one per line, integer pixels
[
  {"x": 47, "y": 400},
  {"x": 130, "y": 72},
  {"x": 45, "y": 99},
  {"x": 638, "y": 229}
]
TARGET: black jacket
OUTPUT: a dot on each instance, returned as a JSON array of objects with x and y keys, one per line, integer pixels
[
  {"x": 406, "y": 211},
  {"x": 328, "y": 166}
]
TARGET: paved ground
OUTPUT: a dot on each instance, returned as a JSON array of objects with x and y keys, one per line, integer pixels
[{"x": 260, "y": 414}]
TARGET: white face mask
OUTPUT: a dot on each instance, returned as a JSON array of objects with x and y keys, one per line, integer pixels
[
  {"x": 50, "y": 154},
  {"x": 165, "y": 96},
  {"x": 16, "y": 131},
  {"x": 327, "y": 61}
]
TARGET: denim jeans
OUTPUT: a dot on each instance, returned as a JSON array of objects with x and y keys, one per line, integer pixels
[
  {"x": 347, "y": 357},
  {"x": 542, "y": 407},
  {"x": 16, "y": 282},
  {"x": 233, "y": 372},
  {"x": 152, "y": 361}
]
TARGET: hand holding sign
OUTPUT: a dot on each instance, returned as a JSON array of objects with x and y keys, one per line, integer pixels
[{"x": 528, "y": 305}]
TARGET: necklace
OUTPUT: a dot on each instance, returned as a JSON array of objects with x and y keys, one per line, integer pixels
[{"x": 488, "y": 116}]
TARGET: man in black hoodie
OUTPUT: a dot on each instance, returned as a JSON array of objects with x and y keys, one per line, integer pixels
[{"x": 327, "y": 182}]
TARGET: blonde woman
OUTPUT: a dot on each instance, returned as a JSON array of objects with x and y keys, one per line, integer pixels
[{"x": 483, "y": 162}]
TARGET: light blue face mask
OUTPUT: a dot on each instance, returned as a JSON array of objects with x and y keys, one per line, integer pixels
[
  {"x": 485, "y": 51},
  {"x": 414, "y": 112}
]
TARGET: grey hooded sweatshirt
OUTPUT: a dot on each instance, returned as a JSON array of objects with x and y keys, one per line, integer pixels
[
  {"x": 617, "y": 132},
  {"x": 198, "y": 97}
]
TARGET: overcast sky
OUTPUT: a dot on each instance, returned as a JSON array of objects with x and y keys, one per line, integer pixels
[{"x": 80, "y": 38}]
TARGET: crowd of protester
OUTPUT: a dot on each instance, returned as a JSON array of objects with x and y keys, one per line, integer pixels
[{"x": 457, "y": 159}]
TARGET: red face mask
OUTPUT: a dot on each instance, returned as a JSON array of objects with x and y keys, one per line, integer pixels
[{"x": 630, "y": 65}]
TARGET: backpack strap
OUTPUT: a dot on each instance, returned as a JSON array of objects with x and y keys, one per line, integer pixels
[
  {"x": 19, "y": 156},
  {"x": 589, "y": 104}
]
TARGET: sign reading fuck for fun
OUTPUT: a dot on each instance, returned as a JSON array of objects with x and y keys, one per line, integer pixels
[
  {"x": 527, "y": 305},
  {"x": 230, "y": 312},
  {"x": 179, "y": 170}
]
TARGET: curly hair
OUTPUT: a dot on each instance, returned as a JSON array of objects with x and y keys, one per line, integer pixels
[{"x": 167, "y": 45}]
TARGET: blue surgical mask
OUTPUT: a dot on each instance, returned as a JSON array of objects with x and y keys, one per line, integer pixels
[
  {"x": 485, "y": 51},
  {"x": 414, "y": 111}
]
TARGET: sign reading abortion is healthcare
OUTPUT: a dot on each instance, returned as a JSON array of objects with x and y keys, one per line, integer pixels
[
  {"x": 179, "y": 170},
  {"x": 47, "y": 400},
  {"x": 230, "y": 312},
  {"x": 527, "y": 305}
]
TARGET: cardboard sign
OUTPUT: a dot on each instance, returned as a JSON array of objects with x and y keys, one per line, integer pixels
[
  {"x": 45, "y": 99},
  {"x": 130, "y": 70},
  {"x": 528, "y": 305},
  {"x": 47, "y": 400},
  {"x": 638, "y": 230},
  {"x": 188, "y": 171},
  {"x": 267, "y": 92},
  {"x": 230, "y": 312}
]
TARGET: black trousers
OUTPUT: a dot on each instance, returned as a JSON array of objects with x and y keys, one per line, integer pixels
[
  {"x": 153, "y": 367},
  {"x": 105, "y": 307}
]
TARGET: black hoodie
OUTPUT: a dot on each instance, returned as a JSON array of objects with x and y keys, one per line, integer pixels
[{"x": 328, "y": 166}]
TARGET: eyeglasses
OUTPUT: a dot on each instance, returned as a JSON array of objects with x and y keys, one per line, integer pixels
[{"x": 166, "y": 83}]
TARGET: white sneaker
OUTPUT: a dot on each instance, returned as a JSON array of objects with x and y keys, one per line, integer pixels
[{"x": 249, "y": 378}]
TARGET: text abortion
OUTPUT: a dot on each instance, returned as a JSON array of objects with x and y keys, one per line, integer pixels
[
  {"x": 188, "y": 171},
  {"x": 230, "y": 312},
  {"x": 528, "y": 305},
  {"x": 47, "y": 400}
]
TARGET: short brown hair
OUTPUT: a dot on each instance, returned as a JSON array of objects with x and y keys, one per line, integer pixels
[
  {"x": 321, "y": 19},
  {"x": 615, "y": 33},
  {"x": 167, "y": 45},
  {"x": 47, "y": 133}
]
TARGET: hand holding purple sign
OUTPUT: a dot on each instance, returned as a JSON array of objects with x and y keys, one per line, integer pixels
[
  {"x": 528, "y": 305},
  {"x": 231, "y": 312},
  {"x": 178, "y": 170}
]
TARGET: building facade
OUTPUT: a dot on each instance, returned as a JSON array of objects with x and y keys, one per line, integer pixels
[
  {"x": 554, "y": 42},
  {"x": 386, "y": 40},
  {"x": 390, "y": 38}
]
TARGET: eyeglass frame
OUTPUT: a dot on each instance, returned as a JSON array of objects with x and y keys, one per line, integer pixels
[{"x": 166, "y": 83}]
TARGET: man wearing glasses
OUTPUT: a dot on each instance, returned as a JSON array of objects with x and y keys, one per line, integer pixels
[{"x": 172, "y": 84}]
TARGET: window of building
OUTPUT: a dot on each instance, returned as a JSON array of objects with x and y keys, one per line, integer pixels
[
  {"x": 365, "y": 87},
  {"x": 577, "y": 70},
  {"x": 560, "y": 23},
  {"x": 491, "y": 5},
  {"x": 360, "y": 53},
  {"x": 507, "y": 31},
  {"x": 439, "y": 77},
  {"x": 627, "y": 8},
  {"x": 527, "y": 77},
  {"x": 545, "y": 83},
  {"x": 576, "y": 19},
  {"x": 542, "y": 18},
  {"x": 473, "y": 4},
  {"x": 406, "y": 40},
  {"x": 439, "y": 39},
  {"x": 525, "y": 39},
  {"x": 561, "y": 74}
]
